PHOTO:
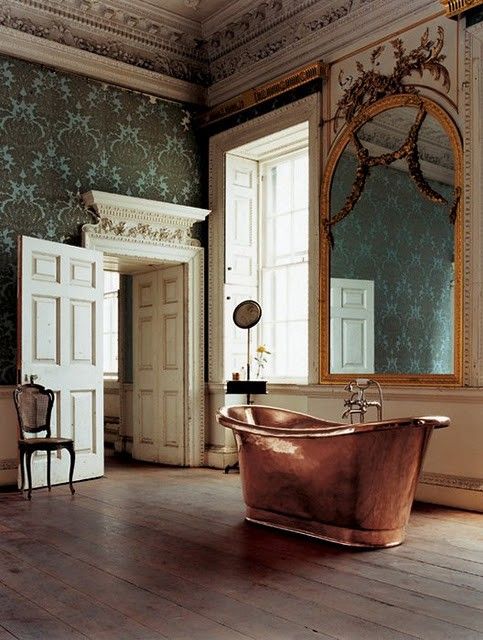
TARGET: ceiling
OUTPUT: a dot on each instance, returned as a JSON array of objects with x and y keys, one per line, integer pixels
[{"x": 198, "y": 10}]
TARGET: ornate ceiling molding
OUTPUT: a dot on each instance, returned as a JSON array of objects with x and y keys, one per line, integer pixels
[
  {"x": 243, "y": 44},
  {"x": 100, "y": 28},
  {"x": 269, "y": 28},
  {"x": 316, "y": 33},
  {"x": 60, "y": 56}
]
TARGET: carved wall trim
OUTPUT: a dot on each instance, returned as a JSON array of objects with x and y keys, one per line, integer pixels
[
  {"x": 137, "y": 228},
  {"x": 60, "y": 56},
  {"x": 473, "y": 202},
  {"x": 455, "y": 482},
  {"x": 267, "y": 91}
]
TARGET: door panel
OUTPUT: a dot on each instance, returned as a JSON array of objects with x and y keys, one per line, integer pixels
[
  {"x": 351, "y": 326},
  {"x": 60, "y": 342},
  {"x": 159, "y": 347}
]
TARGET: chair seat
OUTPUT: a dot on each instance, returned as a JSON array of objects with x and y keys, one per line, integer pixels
[{"x": 35, "y": 442}]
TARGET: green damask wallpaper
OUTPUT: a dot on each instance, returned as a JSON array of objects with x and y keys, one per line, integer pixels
[
  {"x": 61, "y": 135},
  {"x": 404, "y": 243}
]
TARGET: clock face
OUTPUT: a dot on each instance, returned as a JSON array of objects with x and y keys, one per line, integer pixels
[{"x": 247, "y": 314}]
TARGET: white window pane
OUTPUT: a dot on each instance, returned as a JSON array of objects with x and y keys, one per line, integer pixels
[
  {"x": 267, "y": 295},
  {"x": 280, "y": 349},
  {"x": 267, "y": 338},
  {"x": 282, "y": 187},
  {"x": 114, "y": 315},
  {"x": 268, "y": 254},
  {"x": 298, "y": 291},
  {"x": 300, "y": 235},
  {"x": 111, "y": 320},
  {"x": 297, "y": 350},
  {"x": 111, "y": 281},
  {"x": 301, "y": 182},
  {"x": 280, "y": 301},
  {"x": 283, "y": 239}
]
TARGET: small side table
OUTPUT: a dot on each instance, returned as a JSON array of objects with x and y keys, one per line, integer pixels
[{"x": 250, "y": 387}]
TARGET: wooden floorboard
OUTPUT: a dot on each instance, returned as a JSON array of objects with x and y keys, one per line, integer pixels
[{"x": 152, "y": 552}]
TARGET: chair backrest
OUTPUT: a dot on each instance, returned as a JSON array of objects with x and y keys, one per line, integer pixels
[{"x": 34, "y": 407}]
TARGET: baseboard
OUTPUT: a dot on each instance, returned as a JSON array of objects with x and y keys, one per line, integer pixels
[
  {"x": 451, "y": 491},
  {"x": 220, "y": 457}
]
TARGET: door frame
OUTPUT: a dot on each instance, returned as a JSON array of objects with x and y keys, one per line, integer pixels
[{"x": 152, "y": 231}]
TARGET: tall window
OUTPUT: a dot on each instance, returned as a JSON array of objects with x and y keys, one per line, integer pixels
[
  {"x": 283, "y": 271},
  {"x": 111, "y": 325}
]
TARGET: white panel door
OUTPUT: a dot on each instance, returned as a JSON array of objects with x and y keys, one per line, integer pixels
[
  {"x": 241, "y": 221},
  {"x": 60, "y": 324},
  {"x": 145, "y": 445},
  {"x": 351, "y": 326},
  {"x": 159, "y": 399}
]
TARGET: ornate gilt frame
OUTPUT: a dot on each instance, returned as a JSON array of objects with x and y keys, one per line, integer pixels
[{"x": 391, "y": 102}]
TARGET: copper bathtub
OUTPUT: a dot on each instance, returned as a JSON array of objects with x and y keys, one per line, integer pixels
[{"x": 353, "y": 484}]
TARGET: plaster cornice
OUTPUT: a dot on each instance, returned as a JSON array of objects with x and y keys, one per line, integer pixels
[
  {"x": 109, "y": 33},
  {"x": 242, "y": 45},
  {"x": 324, "y": 41},
  {"x": 60, "y": 56}
]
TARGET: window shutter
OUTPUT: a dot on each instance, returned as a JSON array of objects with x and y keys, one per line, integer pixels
[
  {"x": 241, "y": 221},
  {"x": 241, "y": 254}
]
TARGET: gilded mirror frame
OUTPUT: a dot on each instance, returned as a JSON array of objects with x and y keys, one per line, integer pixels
[{"x": 430, "y": 379}]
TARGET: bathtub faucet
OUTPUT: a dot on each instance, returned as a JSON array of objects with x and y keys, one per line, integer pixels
[{"x": 357, "y": 404}]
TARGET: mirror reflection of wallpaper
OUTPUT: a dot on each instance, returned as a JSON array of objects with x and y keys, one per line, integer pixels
[
  {"x": 404, "y": 243},
  {"x": 61, "y": 134}
]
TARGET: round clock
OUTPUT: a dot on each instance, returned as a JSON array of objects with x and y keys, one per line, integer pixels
[{"x": 247, "y": 314}]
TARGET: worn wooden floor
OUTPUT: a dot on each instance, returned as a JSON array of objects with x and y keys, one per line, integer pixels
[{"x": 151, "y": 552}]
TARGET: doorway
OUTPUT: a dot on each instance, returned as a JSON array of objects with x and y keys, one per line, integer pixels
[
  {"x": 161, "y": 409},
  {"x": 143, "y": 339}
]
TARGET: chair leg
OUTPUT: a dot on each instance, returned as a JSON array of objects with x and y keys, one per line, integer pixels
[
  {"x": 71, "y": 470},
  {"x": 22, "y": 469},
  {"x": 29, "y": 473},
  {"x": 48, "y": 470}
]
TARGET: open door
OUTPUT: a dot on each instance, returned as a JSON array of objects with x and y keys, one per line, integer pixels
[
  {"x": 159, "y": 397},
  {"x": 60, "y": 344}
]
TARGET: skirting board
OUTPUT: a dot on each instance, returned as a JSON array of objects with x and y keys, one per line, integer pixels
[
  {"x": 450, "y": 496},
  {"x": 220, "y": 457}
]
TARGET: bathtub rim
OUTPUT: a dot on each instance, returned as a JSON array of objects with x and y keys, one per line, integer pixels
[{"x": 322, "y": 428}]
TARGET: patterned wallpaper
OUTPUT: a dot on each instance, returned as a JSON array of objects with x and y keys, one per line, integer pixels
[
  {"x": 61, "y": 135},
  {"x": 404, "y": 243}
]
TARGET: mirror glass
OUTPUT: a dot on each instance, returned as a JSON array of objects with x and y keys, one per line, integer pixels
[{"x": 392, "y": 261}]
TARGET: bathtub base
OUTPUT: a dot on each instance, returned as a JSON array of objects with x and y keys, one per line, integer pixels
[{"x": 372, "y": 539}]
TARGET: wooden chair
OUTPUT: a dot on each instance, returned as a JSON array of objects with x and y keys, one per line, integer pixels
[{"x": 34, "y": 408}]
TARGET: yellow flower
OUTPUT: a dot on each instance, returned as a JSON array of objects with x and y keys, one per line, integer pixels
[{"x": 262, "y": 349}]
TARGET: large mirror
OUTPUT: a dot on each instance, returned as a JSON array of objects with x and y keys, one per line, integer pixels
[{"x": 390, "y": 246}]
